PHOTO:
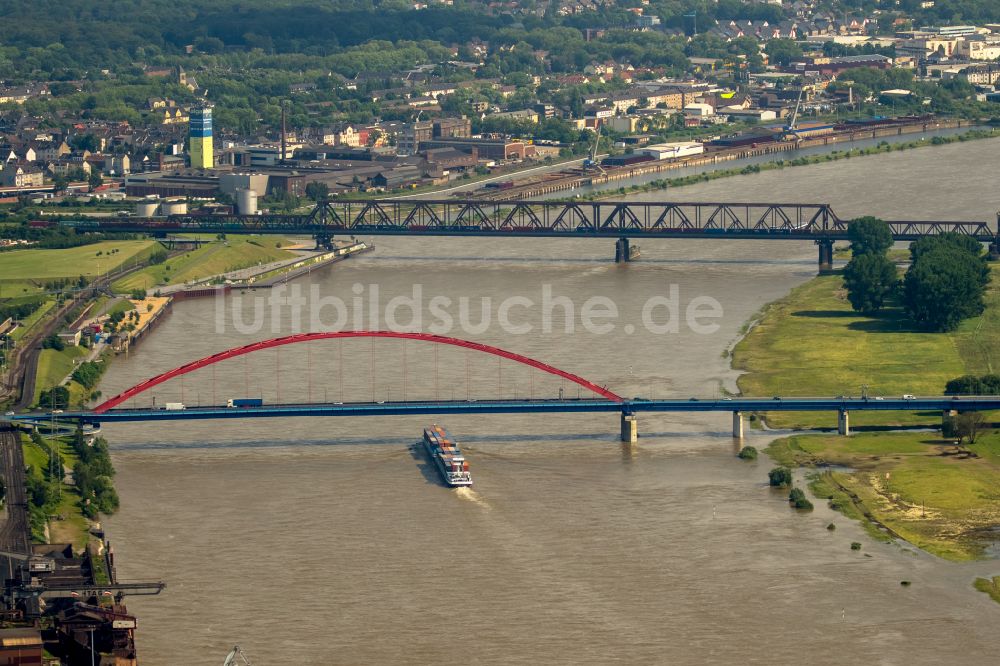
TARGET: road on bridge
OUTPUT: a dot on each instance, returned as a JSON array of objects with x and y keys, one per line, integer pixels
[{"x": 789, "y": 404}]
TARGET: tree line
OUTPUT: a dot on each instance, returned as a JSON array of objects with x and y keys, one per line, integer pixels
[{"x": 944, "y": 284}]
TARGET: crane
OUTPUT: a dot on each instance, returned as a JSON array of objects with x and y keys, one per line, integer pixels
[
  {"x": 231, "y": 658},
  {"x": 790, "y": 127},
  {"x": 591, "y": 161}
]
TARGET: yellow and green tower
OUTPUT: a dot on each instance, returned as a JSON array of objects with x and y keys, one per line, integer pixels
[{"x": 200, "y": 132}]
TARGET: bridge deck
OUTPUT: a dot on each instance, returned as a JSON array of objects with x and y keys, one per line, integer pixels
[
  {"x": 791, "y": 404},
  {"x": 566, "y": 219}
]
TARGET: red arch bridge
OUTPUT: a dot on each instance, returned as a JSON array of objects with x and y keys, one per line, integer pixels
[{"x": 603, "y": 399}]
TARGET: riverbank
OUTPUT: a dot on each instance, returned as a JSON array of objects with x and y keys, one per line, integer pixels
[
  {"x": 232, "y": 253},
  {"x": 910, "y": 485},
  {"x": 832, "y": 156},
  {"x": 913, "y": 486}
]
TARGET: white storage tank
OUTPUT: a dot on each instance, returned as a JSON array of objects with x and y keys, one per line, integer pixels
[
  {"x": 174, "y": 208},
  {"x": 147, "y": 208},
  {"x": 246, "y": 202}
]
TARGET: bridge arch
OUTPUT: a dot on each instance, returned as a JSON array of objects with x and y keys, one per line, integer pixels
[{"x": 142, "y": 387}]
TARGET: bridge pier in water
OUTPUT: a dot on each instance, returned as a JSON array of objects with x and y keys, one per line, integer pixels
[
  {"x": 843, "y": 422},
  {"x": 825, "y": 255},
  {"x": 623, "y": 253},
  {"x": 630, "y": 428},
  {"x": 738, "y": 427}
]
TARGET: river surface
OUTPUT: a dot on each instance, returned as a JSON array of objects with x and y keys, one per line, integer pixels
[{"x": 330, "y": 541}]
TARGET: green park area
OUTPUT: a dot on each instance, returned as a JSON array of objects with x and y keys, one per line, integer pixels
[
  {"x": 811, "y": 343},
  {"x": 233, "y": 253},
  {"x": 54, "y": 366},
  {"x": 934, "y": 492},
  {"x": 61, "y": 512},
  {"x": 29, "y": 322},
  {"x": 25, "y": 272}
]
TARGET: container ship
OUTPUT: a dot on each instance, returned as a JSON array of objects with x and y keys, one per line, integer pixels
[{"x": 446, "y": 455}]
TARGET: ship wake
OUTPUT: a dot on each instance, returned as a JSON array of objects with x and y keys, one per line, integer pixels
[{"x": 470, "y": 495}]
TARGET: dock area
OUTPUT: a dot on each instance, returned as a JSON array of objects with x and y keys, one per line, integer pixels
[
  {"x": 572, "y": 179},
  {"x": 303, "y": 267}
]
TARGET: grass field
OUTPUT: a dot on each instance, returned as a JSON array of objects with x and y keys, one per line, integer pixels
[
  {"x": 234, "y": 253},
  {"x": 914, "y": 485},
  {"x": 812, "y": 343},
  {"x": 29, "y": 322},
  {"x": 54, "y": 366},
  {"x": 24, "y": 265},
  {"x": 990, "y": 587},
  {"x": 935, "y": 495},
  {"x": 122, "y": 306}
]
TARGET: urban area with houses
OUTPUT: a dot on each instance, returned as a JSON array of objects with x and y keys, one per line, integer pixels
[
  {"x": 119, "y": 119},
  {"x": 544, "y": 82}
]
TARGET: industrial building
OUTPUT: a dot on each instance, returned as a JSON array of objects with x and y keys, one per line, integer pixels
[
  {"x": 201, "y": 150},
  {"x": 665, "y": 151},
  {"x": 485, "y": 149}
]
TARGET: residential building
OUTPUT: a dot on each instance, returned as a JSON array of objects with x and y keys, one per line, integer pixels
[
  {"x": 980, "y": 49},
  {"x": 527, "y": 115},
  {"x": 21, "y": 175}
]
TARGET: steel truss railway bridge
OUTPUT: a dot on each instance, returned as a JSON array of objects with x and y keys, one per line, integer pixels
[
  {"x": 623, "y": 221},
  {"x": 110, "y": 411}
]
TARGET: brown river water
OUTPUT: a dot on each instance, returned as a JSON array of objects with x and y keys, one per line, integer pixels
[{"x": 328, "y": 541}]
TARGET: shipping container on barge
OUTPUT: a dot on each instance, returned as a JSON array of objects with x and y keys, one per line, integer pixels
[{"x": 447, "y": 457}]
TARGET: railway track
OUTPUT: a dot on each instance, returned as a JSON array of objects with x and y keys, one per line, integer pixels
[{"x": 15, "y": 529}]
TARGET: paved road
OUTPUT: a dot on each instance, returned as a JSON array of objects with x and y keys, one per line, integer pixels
[{"x": 785, "y": 404}]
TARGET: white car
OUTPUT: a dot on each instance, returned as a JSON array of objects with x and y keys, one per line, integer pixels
[{"x": 909, "y": 396}]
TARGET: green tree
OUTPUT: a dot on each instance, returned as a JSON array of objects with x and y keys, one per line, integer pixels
[
  {"x": 780, "y": 476},
  {"x": 53, "y": 342},
  {"x": 317, "y": 191},
  {"x": 799, "y": 500},
  {"x": 942, "y": 288},
  {"x": 56, "y": 397},
  {"x": 968, "y": 425},
  {"x": 869, "y": 235},
  {"x": 948, "y": 239},
  {"x": 869, "y": 279},
  {"x": 782, "y": 51},
  {"x": 39, "y": 492},
  {"x": 973, "y": 385}
]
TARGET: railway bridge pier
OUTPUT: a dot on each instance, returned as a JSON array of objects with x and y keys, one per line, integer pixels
[{"x": 825, "y": 254}]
